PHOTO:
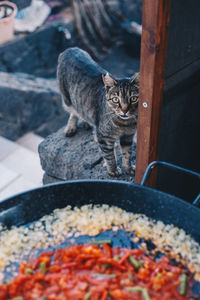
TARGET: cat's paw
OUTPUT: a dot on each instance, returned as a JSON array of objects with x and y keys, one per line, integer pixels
[
  {"x": 130, "y": 170},
  {"x": 70, "y": 131},
  {"x": 86, "y": 126},
  {"x": 115, "y": 173}
]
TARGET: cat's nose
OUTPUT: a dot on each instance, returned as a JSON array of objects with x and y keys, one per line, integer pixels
[{"x": 124, "y": 109}]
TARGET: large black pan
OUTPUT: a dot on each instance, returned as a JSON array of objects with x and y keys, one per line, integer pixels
[{"x": 29, "y": 206}]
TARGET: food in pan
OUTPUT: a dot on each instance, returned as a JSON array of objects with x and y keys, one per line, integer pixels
[
  {"x": 19, "y": 243},
  {"x": 98, "y": 272}
]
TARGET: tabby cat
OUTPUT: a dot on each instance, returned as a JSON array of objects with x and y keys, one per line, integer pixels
[{"x": 108, "y": 104}]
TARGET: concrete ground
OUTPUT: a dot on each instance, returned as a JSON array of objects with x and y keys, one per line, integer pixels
[{"x": 20, "y": 168}]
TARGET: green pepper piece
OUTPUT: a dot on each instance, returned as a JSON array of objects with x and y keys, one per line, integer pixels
[
  {"x": 159, "y": 275},
  {"x": 99, "y": 275},
  {"x": 87, "y": 296},
  {"x": 141, "y": 290},
  {"x": 136, "y": 263},
  {"x": 43, "y": 267},
  {"x": 134, "y": 289},
  {"x": 130, "y": 276},
  {"x": 18, "y": 298},
  {"x": 116, "y": 258},
  {"x": 183, "y": 284},
  {"x": 29, "y": 271},
  {"x": 145, "y": 294},
  {"x": 140, "y": 263},
  {"x": 106, "y": 266}
]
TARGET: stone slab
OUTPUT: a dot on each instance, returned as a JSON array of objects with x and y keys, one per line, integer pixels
[
  {"x": 20, "y": 185},
  {"x": 26, "y": 163},
  {"x": 26, "y": 102},
  {"x": 6, "y": 147},
  {"x": 30, "y": 141},
  {"x": 6, "y": 176},
  {"x": 72, "y": 158},
  {"x": 36, "y": 53}
]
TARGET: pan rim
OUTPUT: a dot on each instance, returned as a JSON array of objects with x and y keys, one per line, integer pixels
[{"x": 142, "y": 187}]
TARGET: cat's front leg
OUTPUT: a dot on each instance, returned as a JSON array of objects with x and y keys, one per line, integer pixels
[
  {"x": 126, "y": 142},
  {"x": 71, "y": 127},
  {"x": 107, "y": 147}
]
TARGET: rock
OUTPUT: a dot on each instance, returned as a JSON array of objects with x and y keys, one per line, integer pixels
[
  {"x": 37, "y": 53},
  {"x": 10, "y": 130},
  {"x": 26, "y": 102},
  {"x": 49, "y": 179},
  {"x": 52, "y": 125},
  {"x": 71, "y": 158}
]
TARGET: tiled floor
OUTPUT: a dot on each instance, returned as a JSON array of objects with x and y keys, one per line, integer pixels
[
  {"x": 20, "y": 168},
  {"x": 30, "y": 141}
]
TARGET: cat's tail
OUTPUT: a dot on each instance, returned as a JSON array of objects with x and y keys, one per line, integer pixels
[{"x": 62, "y": 82}]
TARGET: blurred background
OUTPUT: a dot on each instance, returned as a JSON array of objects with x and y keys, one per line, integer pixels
[
  {"x": 109, "y": 30},
  {"x": 32, "y": 35}
]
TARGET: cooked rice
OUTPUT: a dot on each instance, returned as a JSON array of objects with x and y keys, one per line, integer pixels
[{"x": 91, "y": 220}]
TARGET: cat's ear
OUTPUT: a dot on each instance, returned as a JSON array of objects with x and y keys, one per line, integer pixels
[
  {"x": 108, "y": 81},
  {"x": 135, "y": 79}
]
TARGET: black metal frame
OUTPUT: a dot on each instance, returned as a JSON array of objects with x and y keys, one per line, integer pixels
[{"x": 154, "y": 164}]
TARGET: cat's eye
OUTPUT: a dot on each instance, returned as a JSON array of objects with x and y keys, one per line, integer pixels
[
  {"x": 133, "y": 99},
  {"x": 115, "y": 100}
]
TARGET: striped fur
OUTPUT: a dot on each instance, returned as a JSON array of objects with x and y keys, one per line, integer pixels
[{"x": 108, "y": 104}]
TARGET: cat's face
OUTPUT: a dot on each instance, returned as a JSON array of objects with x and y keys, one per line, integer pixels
[{"x": 122, "y": 95}]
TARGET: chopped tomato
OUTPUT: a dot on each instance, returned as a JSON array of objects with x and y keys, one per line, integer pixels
[{"x": 98, "y": 272}]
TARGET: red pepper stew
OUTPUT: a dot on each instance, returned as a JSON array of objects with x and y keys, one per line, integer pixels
[{"x": 98, "y": 272}]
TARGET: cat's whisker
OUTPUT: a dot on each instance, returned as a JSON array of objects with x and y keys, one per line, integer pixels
[
  {"x": 109, "y": 116},
  {"x": 105, "y": 124},
  {"x": 109, "y": 113}
]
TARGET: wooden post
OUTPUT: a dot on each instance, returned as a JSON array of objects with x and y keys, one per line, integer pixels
[{"x": 155, "y": 22}]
